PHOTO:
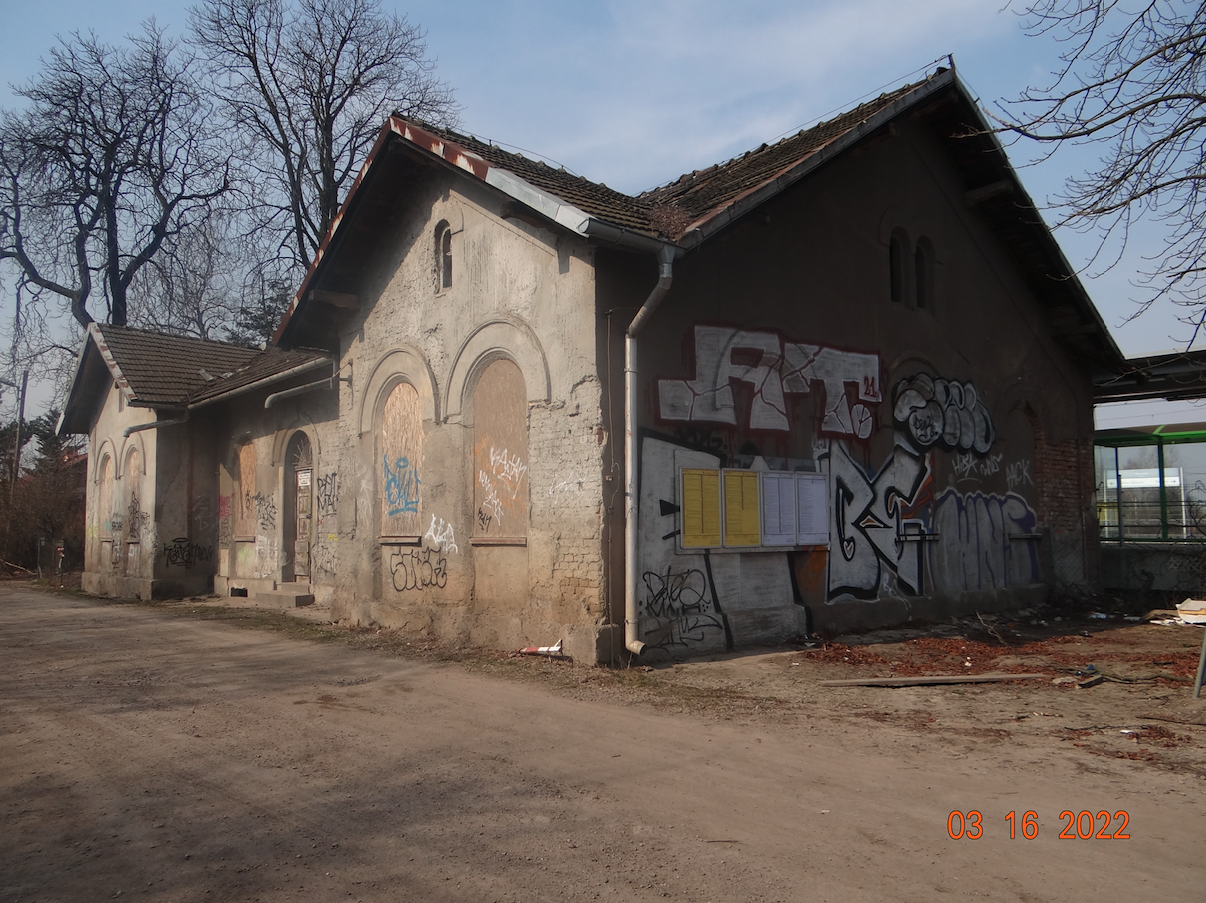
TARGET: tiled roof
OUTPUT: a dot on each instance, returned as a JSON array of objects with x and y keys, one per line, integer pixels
[
  {"x": 181, "y": 371},
  {"x": 264, "y": 366},
  {"x": 166, "y": 369},
  {"x": 590, "y": 197},
  {"x": 666, "y": 212},
  {"x": 692, "y": 196}
]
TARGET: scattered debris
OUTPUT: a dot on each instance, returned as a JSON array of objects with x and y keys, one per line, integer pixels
[
  {"x": 541, "y": 650},
  {"x": 1091, "y": 681}
]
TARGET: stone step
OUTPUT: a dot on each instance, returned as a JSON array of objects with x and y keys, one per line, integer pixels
[{"x": 283, "y": 597}]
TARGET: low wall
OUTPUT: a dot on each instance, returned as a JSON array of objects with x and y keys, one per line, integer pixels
[{"x": 1161, "y": 566}]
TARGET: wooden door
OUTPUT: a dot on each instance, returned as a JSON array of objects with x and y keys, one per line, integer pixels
[{"x": 305, "y": 518}]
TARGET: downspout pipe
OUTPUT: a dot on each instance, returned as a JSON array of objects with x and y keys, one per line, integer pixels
[{"x": 665, "y": 260}]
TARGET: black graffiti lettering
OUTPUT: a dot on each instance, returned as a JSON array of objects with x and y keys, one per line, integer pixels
[
  {"x": 672, "y": 595},
  {"x": 264, "y": 508},
  {"x": 182, "y": 553},
  {"x": 328, "y": 494},
  {"x": 137, "y": 519},
  {"x": 418, "y": 569}
]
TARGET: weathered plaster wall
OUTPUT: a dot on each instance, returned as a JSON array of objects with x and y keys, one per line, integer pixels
[
  {"x": 452, "y": 508},
  {"x": 121, "y": 534},
  {"x": 780, "y": 347}
]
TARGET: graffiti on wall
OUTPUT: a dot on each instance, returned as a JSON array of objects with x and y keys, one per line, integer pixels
[
  {"x": 869, "y": 517},
  {"x": 137, "y": 520},
  {"x": 1017, "y": 474},
  {"x": 180, "y": 552},
  {"x": 774, "y": 368},
  {"x": 946, "y": 413},
  {"x": 968, "y": 467},
  {"x": 441, "y": 535},
  {"x": 401, "y": 482},
  {"x": 326, "y": 494},
  {"x": 420, "y": 568},
  {"x": 322, "y": 554},
  {"x": 678, "y": 609},
  {"x": 262, "y": 508},
  {"x": 984, "y": 541}
]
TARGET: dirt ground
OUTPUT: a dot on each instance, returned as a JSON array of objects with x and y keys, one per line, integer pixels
[{"x": 197, "y": 751}]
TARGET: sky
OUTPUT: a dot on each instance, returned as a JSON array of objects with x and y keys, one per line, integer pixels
[{"x": 633, "y": 93}]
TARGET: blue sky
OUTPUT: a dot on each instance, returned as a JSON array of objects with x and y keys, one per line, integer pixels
[{"x": 635, "y": 92}]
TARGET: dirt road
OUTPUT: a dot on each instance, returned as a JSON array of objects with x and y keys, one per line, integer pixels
[{"x": 159, "y": 757}]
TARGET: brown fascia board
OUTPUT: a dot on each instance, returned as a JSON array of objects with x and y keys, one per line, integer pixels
[{"x": 94, "y": 344}]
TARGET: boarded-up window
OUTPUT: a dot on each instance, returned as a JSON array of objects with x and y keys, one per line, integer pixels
[
  {"x": 778, "y": 509},
  {"x": 500, "y": 453},
  {"x": 741, "y": 514},
  {"x": 245, "y": 510},
  {"x": 136, "y": 520},
  {"x": 812, "y": 503},
  {"x": 701, "y": 508},
  {"x": 104, "y": 499},
  {"x": 401, "y": 456}
]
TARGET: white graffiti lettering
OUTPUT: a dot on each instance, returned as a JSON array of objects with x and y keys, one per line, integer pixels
[
  {"x": 509, "y": 468},
  {"x": 983, "y": 542},
  {"x": 969, "y": 467},
  {"x": 441, "y": 535},
  {"x": 868, "y": 522},
  {"x": 1017, "y": 474},
  {"x": 943, "y": 412},
  {"x": 773, "y": 367}
]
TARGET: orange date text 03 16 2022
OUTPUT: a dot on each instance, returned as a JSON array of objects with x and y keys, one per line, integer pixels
[{"x": 1083, "y": 825}]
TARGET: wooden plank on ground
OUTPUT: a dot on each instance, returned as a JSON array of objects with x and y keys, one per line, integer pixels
[{"x": 929, "y": 680}]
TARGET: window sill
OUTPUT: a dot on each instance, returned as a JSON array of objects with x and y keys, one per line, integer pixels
[{"x": 498, "y": 541}]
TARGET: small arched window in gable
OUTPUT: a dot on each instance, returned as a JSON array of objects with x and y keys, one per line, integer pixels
[
  {"x": 923, "y": 273},
  {"x": 443, "y": 256},
  {"x": 898, "y": 258}
]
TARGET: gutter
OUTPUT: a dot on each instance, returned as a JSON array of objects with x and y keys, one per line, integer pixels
[
  {"x": 154, "y": 425},
  {"x": 328, "y": 383},
  {"x": 259, "y": 383},
  {"x": 665, "y": 258}
]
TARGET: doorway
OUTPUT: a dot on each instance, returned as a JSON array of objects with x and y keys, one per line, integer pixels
[{"x": 300, "y": 494}]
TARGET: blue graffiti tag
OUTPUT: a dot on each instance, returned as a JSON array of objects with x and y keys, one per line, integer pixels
[{"x": 401, "y": 487}]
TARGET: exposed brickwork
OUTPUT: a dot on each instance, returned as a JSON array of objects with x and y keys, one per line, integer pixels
[{"x": 1065, "y": 488}]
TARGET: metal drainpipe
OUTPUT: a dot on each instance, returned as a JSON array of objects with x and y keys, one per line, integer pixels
[{"x": 665, "y": 259}]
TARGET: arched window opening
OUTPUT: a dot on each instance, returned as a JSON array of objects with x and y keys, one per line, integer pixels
[
  {"x": 898, "y": 262},
  {"x": 299, "y": 518},
  {"x": 401, "y": 458},
  {"x": 500, "y": 453},
  {"x": 248, "y": 498},
  {"x": 104, "y": 499},
  {"x": 443, "y": 256},
  {"x": 923, "y": 267}
]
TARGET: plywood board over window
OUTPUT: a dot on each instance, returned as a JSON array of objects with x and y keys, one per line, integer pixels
[
  {"x": 401, "y": 461},
  {"x": 245, "y": 508},
  {"x": 500, "y": 454}
]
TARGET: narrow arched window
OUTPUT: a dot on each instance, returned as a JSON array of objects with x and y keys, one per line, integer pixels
[
  {"x": 248, "y": 498},
  {"x": 500, "y": 454},
  {"x": 401, "y": 447},
  {"x": 898, "y": 256},
  {"x": 923, "y": 273},
  {"x": 443, "y": 256}
]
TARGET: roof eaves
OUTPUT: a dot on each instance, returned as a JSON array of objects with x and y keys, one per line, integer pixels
[
  {"x": 119, "y": 378},
  {"x": 260, "y": 383},
  {"x": 720, "y": 217}
]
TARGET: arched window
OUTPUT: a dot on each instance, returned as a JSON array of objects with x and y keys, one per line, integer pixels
[
  {"x": 299, "y": 504},
  {"x": 135, "y": 519},
  {"x": 923, "y": 272},
  {"x": 104, "y": 499},
  {"x": 898, "y": 259},
  {"x": 401, "y": 457},
  {"x": 500, "y": 453},
  {"x": 443, "y": 256},
  {"x": 245, "y": 507}
]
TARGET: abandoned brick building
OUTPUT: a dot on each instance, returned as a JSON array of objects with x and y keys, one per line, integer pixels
[{"x": 841, "y": 381}]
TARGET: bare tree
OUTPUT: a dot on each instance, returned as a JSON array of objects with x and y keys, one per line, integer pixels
[
  {"x": 1132, "y": 82},
  {"x": 110, "y": 158},
  {"x": 308, "y": 83}
]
